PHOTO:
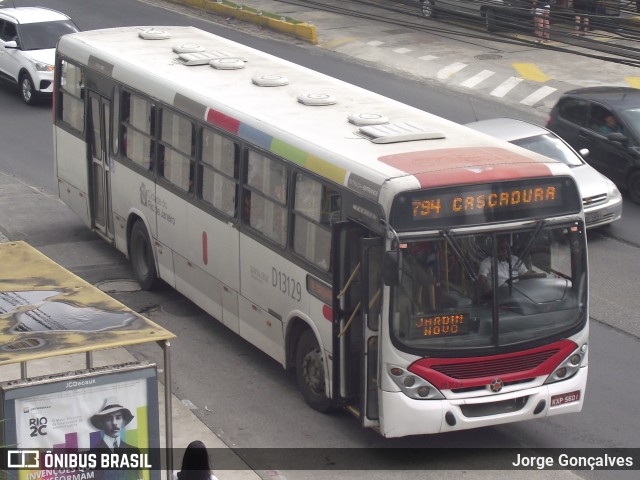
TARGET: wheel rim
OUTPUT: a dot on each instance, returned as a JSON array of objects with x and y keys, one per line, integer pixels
[
  {"x": 313, "y": 372},
  {"x": 26, "y": 89}
]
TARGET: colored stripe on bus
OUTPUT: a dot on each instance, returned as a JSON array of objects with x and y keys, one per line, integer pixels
[
  {"x": 278, "y": 147},
  {"x": 223, "y": 121}
]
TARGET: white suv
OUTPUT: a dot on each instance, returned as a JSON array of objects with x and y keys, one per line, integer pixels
[{"x": 28, "y": 37}]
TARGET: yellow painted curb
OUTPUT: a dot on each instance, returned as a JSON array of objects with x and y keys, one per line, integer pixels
[
  {"x": 303, "y": 31},
  {"x": 633, "y": 82}
]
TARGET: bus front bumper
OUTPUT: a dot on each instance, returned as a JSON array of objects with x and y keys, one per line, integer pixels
[{"x": 403, "y": 416}]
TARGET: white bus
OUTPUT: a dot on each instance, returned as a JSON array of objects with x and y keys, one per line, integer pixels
[{"x": 341, "y": 232}]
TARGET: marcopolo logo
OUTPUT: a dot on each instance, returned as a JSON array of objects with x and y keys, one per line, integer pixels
[{"x": 23, "y": 459}]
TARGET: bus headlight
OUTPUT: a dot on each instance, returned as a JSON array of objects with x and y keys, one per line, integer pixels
[
  {"x": 569, "y": 367},
  {"x": 412, "y": 385}
]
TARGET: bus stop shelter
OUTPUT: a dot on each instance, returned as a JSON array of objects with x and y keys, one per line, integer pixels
[{"x": 48, "y": 313}]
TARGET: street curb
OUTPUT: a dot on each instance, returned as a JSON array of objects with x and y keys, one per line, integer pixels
[{"x": 301, "y": 30}]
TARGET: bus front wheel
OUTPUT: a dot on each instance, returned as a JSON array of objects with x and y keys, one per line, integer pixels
[
  {"x": 142, "y": 261},
  {"x": 310, "y": 372}
]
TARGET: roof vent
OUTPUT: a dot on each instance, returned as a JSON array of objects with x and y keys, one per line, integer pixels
[
  {"x": 227, "y": 63},
  {"x": 198, "y": 58},
  {"x": 363, "y": 119},
  {"x": 270, "y": 80},
  {"x": 398, "y": 132},
  {"x": 317, "y": 99},
  {"x": 188, "y": 48},
  {"x": 153, "y": 34}
]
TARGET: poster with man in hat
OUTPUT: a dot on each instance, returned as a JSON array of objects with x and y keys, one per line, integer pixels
[{"x": 111, "y": 420}]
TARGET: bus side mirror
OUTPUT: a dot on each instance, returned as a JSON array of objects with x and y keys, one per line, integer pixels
[{"x": 392, "y": 268}]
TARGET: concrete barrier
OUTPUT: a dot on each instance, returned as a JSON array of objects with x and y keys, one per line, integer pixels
[{"x": 301, "y": 30}]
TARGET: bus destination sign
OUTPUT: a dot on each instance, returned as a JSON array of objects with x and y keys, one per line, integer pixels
[
  {"x": 445, "y": 325},
  {"x": 451, "y": 204},
  {"x": 485, "y": 203}
]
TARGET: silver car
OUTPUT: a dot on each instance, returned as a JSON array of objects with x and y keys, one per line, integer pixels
[{"x": 601, "y": 198}]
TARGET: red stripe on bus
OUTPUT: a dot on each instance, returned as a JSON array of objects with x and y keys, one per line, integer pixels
[
  {"x": 450, "y": 166},
  {"x": 223, "y": 121},
  {"x": 205, "y": 252},
  {"x": 480, "y": 371}
]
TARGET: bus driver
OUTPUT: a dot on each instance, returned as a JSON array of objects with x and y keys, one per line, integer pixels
[{"x": 507, "y": 262}]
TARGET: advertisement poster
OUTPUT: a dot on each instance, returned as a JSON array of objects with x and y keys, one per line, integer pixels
[{"x": 92, "y": 427}]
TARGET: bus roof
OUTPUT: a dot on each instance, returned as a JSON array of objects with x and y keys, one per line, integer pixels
[{"x": 417, "y": 148}]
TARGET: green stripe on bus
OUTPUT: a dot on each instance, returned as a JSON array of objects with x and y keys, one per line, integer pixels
[{"x": 315, "y": 164}]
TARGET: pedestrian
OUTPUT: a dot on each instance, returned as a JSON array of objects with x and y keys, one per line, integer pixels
[
  {"x": 541, "y": 20},
  {"x": 195, "y": 463},
  {"x": 582, "y": 9}
]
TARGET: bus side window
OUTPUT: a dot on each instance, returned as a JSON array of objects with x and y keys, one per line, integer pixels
[
  {"x": 218, "y": 172},
  {"x": 268, "y": 182},
  {"x": 138, "y": 117},
  {"x": 316, "y": 206},
  {"x": 71, "y": 96},
  {"x": 177, "y": 150}
]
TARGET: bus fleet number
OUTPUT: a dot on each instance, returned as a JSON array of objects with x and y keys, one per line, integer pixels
[{"x": 286, "y": 284}]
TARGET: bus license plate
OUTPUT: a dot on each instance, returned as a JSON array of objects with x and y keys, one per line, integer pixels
[{"x": 565, "y": 398}]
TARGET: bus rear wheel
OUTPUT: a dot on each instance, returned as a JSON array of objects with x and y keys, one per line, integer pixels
[
  {"x": 310, "y": 372},
  {"x": 141, "y": 254}
]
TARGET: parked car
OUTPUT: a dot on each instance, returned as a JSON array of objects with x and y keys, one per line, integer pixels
[
  {"x": 601, "y": 199},
  {"x": 580, "y": 117},
  {"x": 28, "y": 37},
  {"x": 496, "y": 14}
]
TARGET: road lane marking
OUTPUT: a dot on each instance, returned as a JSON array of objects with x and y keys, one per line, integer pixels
[
  {"x": 427, "y": 58},
  {"x": 506, "y": 86},
  {"x": 402, "y": 50},
  {"x": 375, "y": 43},
  {"x": 477, "y": 78},
  {"x": 538, "y": 95},
  {"x": 450, "y": 70},
  {"x": 530, "y": 71}
]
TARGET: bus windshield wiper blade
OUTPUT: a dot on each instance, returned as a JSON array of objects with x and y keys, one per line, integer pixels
[{"x": 456, "y": 250}]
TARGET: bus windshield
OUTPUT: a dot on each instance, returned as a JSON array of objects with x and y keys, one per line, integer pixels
[{"x": 484, "y": 291}]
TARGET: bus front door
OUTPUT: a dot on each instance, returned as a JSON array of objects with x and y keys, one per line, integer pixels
[
  {"x": 357, "y": 299},
  {"x": 98, "y": 132}
]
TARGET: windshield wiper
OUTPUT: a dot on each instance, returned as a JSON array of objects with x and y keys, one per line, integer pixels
[
  {"x": 456, "y": 250},
  {"x": 539, "y": 225}
]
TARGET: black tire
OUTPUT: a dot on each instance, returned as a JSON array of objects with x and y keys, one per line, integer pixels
[
  {"x": 27, "y": 89},
  {"x": 633, "y": 187},
  {"x": 141, "y": 255},
  {"x": 427, "y": 7},
  {"x": 310, "y": 372}
]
